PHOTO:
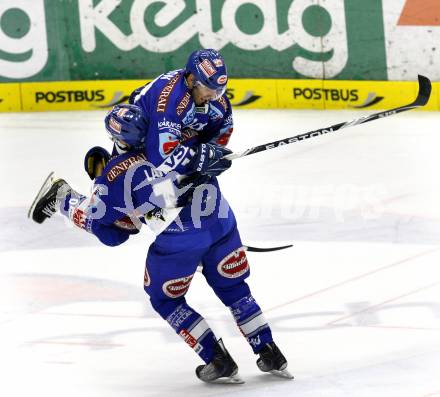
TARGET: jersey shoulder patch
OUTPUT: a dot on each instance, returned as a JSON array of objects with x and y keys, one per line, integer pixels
[
  {"x": 121, "y": 165},
  {"x": 167, "y": 90}
]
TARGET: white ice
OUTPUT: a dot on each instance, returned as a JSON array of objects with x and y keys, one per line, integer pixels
[{"x": 354, "y": 305}]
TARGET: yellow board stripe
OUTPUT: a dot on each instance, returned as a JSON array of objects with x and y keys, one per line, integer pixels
[
  {"x": 244, "y": 93},
  {"x": 10, "y": 97}
]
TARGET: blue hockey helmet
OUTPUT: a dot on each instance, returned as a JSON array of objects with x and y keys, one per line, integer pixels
[
  {"x": 127, "y": 124},
  {"x": 209, "y": 69}
]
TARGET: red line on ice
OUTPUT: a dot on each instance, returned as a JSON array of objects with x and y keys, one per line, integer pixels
[
  {"x": 410, "y": 258},
  {"x": 384, "y": 302}
]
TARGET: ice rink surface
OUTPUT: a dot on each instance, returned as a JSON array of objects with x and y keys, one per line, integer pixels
[{"x": 354, "y": 305}]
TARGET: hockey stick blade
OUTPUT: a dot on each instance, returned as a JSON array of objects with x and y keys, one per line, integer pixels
[
  {"x": 256, "y": 249},
  {"x": 425, "y": 89},
  {"x": 422, "y": 99}
]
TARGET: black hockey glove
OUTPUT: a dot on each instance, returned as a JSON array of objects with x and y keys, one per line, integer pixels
[
  {"x": 208, "y": 159},
  {"x": 95, "y": 161},
  {"x": 193, "y": 181}
]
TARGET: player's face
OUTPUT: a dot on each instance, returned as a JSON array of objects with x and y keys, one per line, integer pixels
[
  {"x": 121, "y": 143},
  {"x": 202, "y": 94}
]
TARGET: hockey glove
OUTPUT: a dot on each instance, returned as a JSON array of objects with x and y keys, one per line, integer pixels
[
  {"x": 208, "y": 159},
  {"x": 95, "y": 161},
  {"x": 193, "y": 181}
]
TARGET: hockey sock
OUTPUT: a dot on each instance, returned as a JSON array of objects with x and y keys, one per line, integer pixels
[
  {"x": 70, "y": 202},
  {"x": 252, "y": 323},
  {"x": 194, "y": 330},
  {"x": 74, "y": 207}
]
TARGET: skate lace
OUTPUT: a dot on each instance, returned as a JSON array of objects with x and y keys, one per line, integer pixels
[
  {"x": 272, "y": 358},
  {"x": 220, "y": 366},
  {"x": 50, "y": 208},
  {"x": 209, "y": 371}
]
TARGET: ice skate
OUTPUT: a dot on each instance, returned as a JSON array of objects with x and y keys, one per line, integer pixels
[
  {"x": 221, "y": 369},
  {"x": 272, "y": 360},
  {"x": 47, "y": 200}
]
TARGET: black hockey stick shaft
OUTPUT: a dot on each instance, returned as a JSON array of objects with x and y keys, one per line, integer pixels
[
  {"x": 421, "y": 100},
  {"x": 257, "y": 249}
]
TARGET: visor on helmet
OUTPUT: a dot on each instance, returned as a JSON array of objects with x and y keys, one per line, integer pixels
[{"x": 215, "y": 93}]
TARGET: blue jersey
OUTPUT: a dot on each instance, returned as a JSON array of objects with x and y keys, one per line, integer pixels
[
  {"x": 204, "y": 232},
  {"x": 175, "y": 124},
  {"x": 123, "y": 196},
  {"x": 131, "y": 191}
]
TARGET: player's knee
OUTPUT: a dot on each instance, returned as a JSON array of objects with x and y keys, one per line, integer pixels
[
  {"x": 227, "y": 280},
  {"x": 177, "y": 287},
  {"x": 229, "y": 272},
  {"x": 164, "y": 307},
  {"x": 234, "y": 266},
  {"x": 166, "y": 295},
  {"x": 232, "y": 293}
]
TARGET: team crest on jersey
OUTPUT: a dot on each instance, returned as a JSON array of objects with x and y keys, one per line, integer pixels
[
  {"x": 178, "y": 287},
  {"x": 207, "y": 68},
  {"x": 167, "y": 143},
  {"x": 234, "y": 265}
]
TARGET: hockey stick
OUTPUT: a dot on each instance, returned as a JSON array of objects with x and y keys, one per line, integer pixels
[
  {"x": 256, "y": 249},
  {"x": 421, "y": 100}
]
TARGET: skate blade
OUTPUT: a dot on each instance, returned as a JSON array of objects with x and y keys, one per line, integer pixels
[
  {"x": 47, "y": 183},
  {"x": 230, "y": 380},
  {"x": 284, "y": 373}
]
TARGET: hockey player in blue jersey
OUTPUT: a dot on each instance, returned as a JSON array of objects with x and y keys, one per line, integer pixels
[
  {"x": 189, "y": 118},
  {"x": 190, "y": 123}
]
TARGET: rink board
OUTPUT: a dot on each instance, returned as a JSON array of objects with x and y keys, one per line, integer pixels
[
  {"x": 10, "y": 97},
  {"x": 243, "y": 93}
]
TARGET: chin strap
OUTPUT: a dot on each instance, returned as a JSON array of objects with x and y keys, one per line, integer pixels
[
  {"x": 203, "y": 108},
  {"x": 121, "y": 149}
]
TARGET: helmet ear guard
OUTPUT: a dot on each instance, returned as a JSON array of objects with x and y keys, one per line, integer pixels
[{"x": 126, "y": 124}]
